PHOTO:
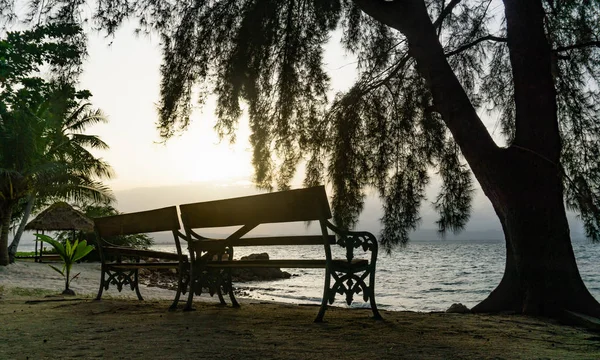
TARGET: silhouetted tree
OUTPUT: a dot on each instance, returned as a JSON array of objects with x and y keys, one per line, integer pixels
[
  {"x": 43, "y": 150},
  {"x": 426, "y": 68}
]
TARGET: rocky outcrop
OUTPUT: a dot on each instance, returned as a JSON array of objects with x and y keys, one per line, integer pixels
[
  {"x": 167, "y": 278},
  {"x": 258, "y": 274},
  {"x": 458, "y": 308}
]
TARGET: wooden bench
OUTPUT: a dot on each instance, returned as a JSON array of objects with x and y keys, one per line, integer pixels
[
  {"x": 212, "y": 259},
  {"x": 120, "y": 264}
]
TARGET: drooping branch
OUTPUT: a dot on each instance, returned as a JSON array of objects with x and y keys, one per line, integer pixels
[
  {"x": 475, "y": 42},
  {"x": 411, "y": 18},
  {"x": 393, "y": 72},
  {"x": 578, "y": 46},
  {"x": 445, "y": 12}
]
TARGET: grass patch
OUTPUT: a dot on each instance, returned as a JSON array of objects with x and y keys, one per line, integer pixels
[
  {"x": 32, "y": 253},
  {"x": 17, "y": 291},
  {"x": 25, "y": 254},
  {"x": 1, "y": 291}
]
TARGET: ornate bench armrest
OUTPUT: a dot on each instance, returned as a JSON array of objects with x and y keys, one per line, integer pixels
[{"x": 351, "y": 240}]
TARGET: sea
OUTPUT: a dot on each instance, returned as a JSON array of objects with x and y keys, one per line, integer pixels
[{"x": 423, "y": 276}]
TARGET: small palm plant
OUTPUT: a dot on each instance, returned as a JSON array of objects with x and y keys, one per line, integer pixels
[{"x": 69, "y": 253}]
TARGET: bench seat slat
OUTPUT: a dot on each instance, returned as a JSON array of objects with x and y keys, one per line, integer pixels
[
  {"x": 117, "y": 250},
  {"x": 216, "y": 244},
  {"x": 287, "y": 263},
  {"x": 131, "y": 266}
]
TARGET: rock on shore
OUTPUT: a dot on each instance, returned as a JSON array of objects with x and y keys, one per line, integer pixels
[{"x": 167, "y": 278}]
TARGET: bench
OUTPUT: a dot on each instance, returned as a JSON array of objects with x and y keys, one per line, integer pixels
[
  {"x": 212, "y": 259},
  {"x": 120, "y": 264}
]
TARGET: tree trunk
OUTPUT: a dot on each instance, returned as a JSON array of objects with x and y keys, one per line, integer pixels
[
  {"x": 5, "y": 215},
  {"x": 524, "y": 181},
  {"x": 14, "y": 245},
  {"x": 541, "y": 275}
]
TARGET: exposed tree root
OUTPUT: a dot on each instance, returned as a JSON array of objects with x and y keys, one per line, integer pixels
[{"x": 578, "y": 308}]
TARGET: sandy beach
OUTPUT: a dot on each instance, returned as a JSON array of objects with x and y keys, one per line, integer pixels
[{"x": 38, "y": 323}]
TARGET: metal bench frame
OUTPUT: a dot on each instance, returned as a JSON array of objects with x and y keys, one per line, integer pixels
[
  {"x": 120, "y": 265},
  {"x": 212, "y": 259}
]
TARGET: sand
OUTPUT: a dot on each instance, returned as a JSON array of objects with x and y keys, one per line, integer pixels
[{"x": 37, "y": 323}]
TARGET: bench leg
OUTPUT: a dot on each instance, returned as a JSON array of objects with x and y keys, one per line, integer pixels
[
  {"x": 376, "y": 314},
  {"x": 173, "y": 306},
  {"x": 99, "y": 296},
  {"x": 137, "y": 285},
  {"x": 215, "y": 284},
  {"x": 220, "y": 295},
  {"x": 180, "y": 289},
  {"x": 191, "y": 290},
  {"x": 234, "y": 302},
  {"x": 323, "y": 308}
]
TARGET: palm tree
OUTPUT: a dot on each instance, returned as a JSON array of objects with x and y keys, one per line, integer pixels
[
  {"x": 94, "y": 209},
  {"x": 72, "y": 171},
  {"x": 34, "y": 114},
  {"x": 20, "y": 140}
]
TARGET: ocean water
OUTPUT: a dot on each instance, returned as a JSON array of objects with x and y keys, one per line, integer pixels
[{"x": 424, "y": 276}]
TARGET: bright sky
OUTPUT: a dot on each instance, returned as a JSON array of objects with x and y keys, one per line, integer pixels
[
  {"x": 124, "y": 80},
  {"x": 123, "y": 75}
]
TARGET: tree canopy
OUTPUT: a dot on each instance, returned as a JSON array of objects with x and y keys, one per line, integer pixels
[
  {"x": 385, "y": 131},
  {"x": 43, "y": 149},
  {"x": 429, "y": 71}
]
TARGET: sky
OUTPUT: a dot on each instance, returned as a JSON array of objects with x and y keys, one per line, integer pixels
[
  {"x": 122, "y": 73},
  {"x": 123, "y": 76}
]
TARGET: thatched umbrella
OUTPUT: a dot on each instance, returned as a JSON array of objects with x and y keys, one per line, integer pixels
[{"x": 59, "y": 216}]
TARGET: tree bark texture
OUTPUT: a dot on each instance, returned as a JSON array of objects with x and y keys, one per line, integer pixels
[
  {"x": 541, "y": 275},
  {"x": 14, "y": 245},
  {"x": 5, "y": 215},
  {"x": 523, "y": 181}
]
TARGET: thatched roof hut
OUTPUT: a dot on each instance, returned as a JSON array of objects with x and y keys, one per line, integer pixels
[{"x": 61, "y": 216}]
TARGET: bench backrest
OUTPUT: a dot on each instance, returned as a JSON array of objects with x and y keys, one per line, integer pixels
[
  {"x": 284, "y": 206},
  {"x": 150, "y": 221},
  {"x": 142, "y": 222}
]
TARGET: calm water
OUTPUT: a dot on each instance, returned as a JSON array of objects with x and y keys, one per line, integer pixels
[{"x": 425, "y": 276}]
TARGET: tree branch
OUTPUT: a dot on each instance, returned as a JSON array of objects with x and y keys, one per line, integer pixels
[
  {"x": 410, "y": 17},
  {"x": 445, "y": 12},
  {"x": 536, "y": 124},
  {"x": 396, "y": 68},
  {"x": 578, "y": 46},
  {"x": 475, "y": 42}
]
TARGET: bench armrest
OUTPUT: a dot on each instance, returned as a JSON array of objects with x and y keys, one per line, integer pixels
[
  {"x": 208, "y": 245},
  {"x": 127, "y": 251},
  {"x": 351, "y": 240}
]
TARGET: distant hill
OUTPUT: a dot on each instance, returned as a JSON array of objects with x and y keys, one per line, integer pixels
[{"x": 483, "y": 225}]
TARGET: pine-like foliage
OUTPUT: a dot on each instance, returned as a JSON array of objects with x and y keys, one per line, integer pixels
[{"x": 266, "y": 56}]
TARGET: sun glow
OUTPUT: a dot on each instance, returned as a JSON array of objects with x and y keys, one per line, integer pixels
[
  {"x": 204, "y": 158},
  {"x": 124, "y": 80}
]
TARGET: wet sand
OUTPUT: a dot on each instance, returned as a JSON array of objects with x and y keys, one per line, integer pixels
[
  {"x": 37, "y": 327},
  {"x": 38, "y": 323}
]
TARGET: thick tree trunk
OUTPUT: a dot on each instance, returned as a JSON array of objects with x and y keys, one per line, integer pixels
[
  {"x": 14, "y": 245},
  {"x": 5, "y": 215},
  {"x": 524, "y": 181},
  {"x": 541, "y": 275}
]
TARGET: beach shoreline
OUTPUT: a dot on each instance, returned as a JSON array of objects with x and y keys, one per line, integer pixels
[{"x": 39, "y": 323}]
